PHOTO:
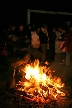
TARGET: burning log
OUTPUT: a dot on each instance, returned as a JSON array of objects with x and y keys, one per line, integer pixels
[
  {"x": 38, "y": 83},
  {"x": 20, "y": 99},
  {"x": 35, "y": 83}
]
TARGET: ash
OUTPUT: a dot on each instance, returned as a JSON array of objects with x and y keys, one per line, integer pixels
[{"x": 12, "y": 99}]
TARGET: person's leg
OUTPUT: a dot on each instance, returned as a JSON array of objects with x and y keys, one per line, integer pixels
[
  {"x": 43, "y": 46},
  {"x": 67, "y": 59},
  {"x": 63, "y": 57},
  {"x": 52, "y": 55},
  {"x": 58, "y": 57},
  {"x": 55, "y": 57}
]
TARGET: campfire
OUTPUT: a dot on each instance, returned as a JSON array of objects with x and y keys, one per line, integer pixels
[{"x": 38, "y": 84}]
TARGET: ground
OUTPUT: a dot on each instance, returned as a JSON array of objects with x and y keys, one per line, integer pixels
[{"x": 7, "y": 100}]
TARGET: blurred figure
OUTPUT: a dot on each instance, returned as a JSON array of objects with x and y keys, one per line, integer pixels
[
  {"x": 35, "y": 42},
  {"x": 21, "y": 32},
  {"x": 29, "y": 28},
  {"x": 43, "y": 41},
  {"x": 57, "y": 49},
  {"x": 59, "y": 33},
  {"x": 23, "y": 41},
  {"x": 68, "y": 45},
  {"x": 38, "y": 29},
  {"x": 12, "y": 30},
  {"x": 35, "y": 45},
  {"x": 28, "y": 32},
  {"x": 52, "y": 38},
  {"x": 12, "y": 34},
  {"x": 63, "y": 50}
]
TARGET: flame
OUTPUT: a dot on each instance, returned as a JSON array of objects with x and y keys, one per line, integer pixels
[{"x": 38, "y": 82}]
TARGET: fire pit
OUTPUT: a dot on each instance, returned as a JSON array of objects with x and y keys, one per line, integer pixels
[
  {"x": 38, "y": 85},
  {"x": 37, "y": 88}
]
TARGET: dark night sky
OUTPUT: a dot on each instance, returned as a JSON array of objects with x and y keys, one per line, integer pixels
[{"x": 15, "y": 12}]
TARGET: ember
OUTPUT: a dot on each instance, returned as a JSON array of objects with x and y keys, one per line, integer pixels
[{"x": 38, "y": 84}]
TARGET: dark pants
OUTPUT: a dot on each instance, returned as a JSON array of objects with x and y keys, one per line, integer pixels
[
  {"x": 58, "y": 57},
  {"x": 52, "y": 53},
  {"x": 63, "y": 56},
  {"x": 43, "y": 47},
  {"x": 36, "y": 54}
]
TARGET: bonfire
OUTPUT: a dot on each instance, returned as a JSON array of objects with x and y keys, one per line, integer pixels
[{"x": 38, "y": 83}]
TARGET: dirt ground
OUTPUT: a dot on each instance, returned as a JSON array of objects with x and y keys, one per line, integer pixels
[{"x": 62, "y": 71}]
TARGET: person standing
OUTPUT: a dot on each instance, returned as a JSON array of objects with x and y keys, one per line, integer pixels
[
  {"x": 68, "y": 44},
  {"x": 52, "y": 38},
  {"x": 43, "y": 41}
]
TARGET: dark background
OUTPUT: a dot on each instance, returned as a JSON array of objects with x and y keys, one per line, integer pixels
[
  {"x": 15, "y": 12},
  {"x": 51, "y": 19}
]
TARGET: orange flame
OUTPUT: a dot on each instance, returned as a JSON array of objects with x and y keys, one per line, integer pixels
[{"x": 38, "y": 82}]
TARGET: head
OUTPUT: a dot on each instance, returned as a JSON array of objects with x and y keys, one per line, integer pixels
[
  {"x": 44, "y": 28},
  {"x": 59, "y": 29},
  {"x": 54, "y": 29},
  {"x": 13, "y": 27},
  {"x": 21, "y": 27},
  {"x": 63, "y": 29},
  {"x": 38, "y": 29}
]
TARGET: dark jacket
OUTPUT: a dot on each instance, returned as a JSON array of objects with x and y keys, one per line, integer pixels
[
  {"x": 43, "y": 37},
  {"x": 68, "y": 41}
]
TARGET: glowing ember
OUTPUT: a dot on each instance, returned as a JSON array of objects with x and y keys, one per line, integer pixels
[{"x": 39, "y": 84}]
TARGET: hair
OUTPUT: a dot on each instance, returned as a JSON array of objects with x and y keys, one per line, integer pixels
[
  {"x": 21, "y": 25},
  {"x": 44, "y": 26}
]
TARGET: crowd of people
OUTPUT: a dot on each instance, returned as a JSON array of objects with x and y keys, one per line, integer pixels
[{"x": 45, "y": 43}]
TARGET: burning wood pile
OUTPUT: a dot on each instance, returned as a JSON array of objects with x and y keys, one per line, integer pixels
[
  {"x": 36, "y": 88},
  {"x": 38, "y": 85}
]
